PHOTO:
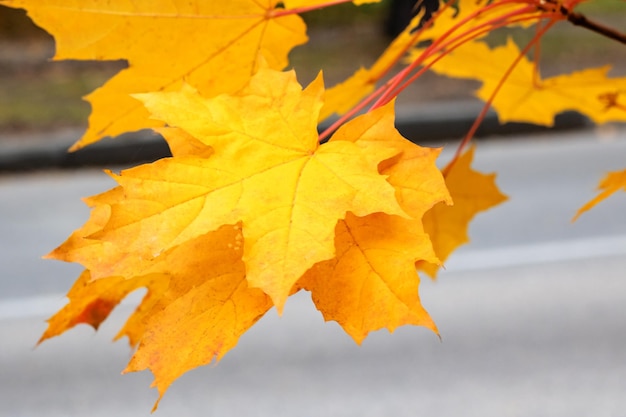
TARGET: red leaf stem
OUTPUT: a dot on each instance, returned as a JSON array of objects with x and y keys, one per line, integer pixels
[
  {"x": 436, "y": 45},
  {"x": 451, "y": 45}
]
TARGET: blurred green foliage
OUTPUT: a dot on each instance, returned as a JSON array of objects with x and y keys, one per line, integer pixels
[{"x": 602, "y": 6}]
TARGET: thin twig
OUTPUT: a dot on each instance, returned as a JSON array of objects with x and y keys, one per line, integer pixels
[{"x": 582, "y": 21}]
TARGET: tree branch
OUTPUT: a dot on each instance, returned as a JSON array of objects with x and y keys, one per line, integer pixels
[{"x": 582, "y": 21}]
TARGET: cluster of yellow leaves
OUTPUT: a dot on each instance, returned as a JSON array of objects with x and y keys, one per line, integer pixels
[
  {"x": 250, "y": 208},
  {"x": 511, "y": 82},
  {"x": 525, "y": 96}
]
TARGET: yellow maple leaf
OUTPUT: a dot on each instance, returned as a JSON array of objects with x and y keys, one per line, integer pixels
[
  {"x": 267, "y": 170},
  {"x": 211, "y": 45},
  {"x": 166, "y": 225},
  {"x": 525, "y": 97},
  {"x": 610, "y": 184},
  {"x": 418, "y": 186},
  {"x": 472, "y": 192},
  {"x": 372, "y": 282}
]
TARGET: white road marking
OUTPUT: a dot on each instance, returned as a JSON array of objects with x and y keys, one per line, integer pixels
[{"x": 537, "y": 253}]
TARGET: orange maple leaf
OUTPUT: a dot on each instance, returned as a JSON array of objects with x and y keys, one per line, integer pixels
[
  {"x": 197, "y": 306},
  {"x": 372, "y": 282},
  {"x": 211, "y": 45},
  {"x": 472, "y": 192},
  {"x": 207, "y": 306},
  {"x": 610, "y": 184},
  {"x": 197, "y": 288}
]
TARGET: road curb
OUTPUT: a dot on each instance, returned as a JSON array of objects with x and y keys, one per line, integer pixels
[{"x": 421, "y": 124}]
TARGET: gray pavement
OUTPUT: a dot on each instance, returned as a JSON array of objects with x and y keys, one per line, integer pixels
[
  {"x": 531, "y": 313},
  {"x": 538, "y": 340}
]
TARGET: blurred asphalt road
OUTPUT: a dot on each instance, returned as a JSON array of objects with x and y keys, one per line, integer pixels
[{"x": 532, "y": 314}]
